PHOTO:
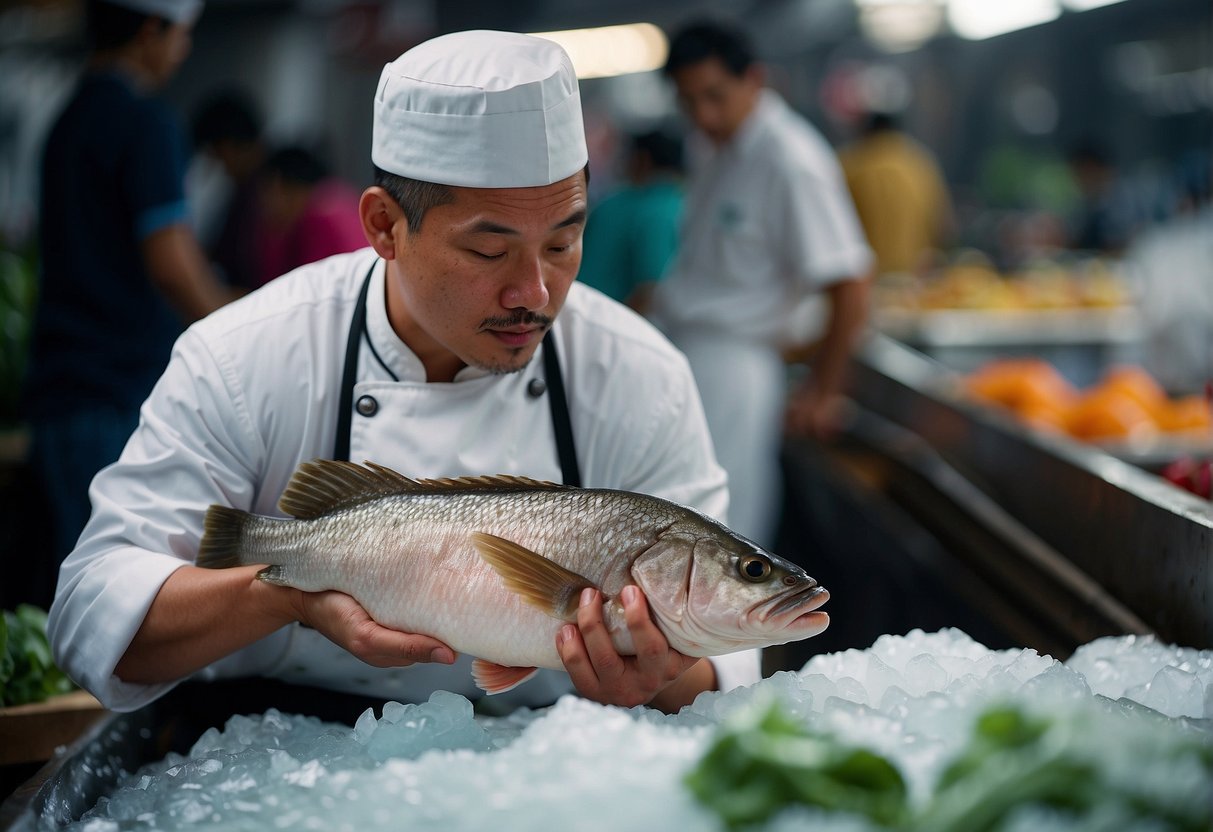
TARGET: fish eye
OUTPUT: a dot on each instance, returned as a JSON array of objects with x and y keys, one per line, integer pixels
[{"x": 754, "y": 568}]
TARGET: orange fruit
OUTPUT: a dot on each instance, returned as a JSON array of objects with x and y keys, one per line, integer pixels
[
  {"x": 1022, "y": 384},
  {"x": 1053, "y": 417},
  {"x": 1108, "y": 413},
  {"x": 1042, "y": 385},
  {"x": 1031, "y": 388},
  {"x": 1191, "y": 413},
  {"x": 1139, "y": 385},
  {"x": 993, "y": 383}
]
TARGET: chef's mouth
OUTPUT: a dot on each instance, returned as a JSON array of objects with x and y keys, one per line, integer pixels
[{"x": 518, "y": 337}]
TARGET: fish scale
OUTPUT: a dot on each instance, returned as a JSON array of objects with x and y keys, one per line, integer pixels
[{"x": 491, "y": 565}]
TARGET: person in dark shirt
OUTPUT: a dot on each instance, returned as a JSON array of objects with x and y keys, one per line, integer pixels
[{"x": 121, "y": 271}]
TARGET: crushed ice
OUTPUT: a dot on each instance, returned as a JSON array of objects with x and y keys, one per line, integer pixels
[{"x": 436, "y": 766}]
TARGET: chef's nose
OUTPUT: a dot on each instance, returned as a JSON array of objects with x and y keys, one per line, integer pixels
[{"x": 527, "y": 288}]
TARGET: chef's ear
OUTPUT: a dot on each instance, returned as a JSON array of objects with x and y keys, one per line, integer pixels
[{"x": 382, "y": 221}]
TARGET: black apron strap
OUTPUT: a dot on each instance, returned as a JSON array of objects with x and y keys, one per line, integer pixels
[
  {"x": 559, "y": 405},
  {"x": 349, "y": 375},
  {"x": 557, "y": 401}
]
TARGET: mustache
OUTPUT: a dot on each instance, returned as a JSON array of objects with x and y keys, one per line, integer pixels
[{"x": 520, "y": 319}]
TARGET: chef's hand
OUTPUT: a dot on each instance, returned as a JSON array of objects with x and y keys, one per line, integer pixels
[
  {"x": 810, "y": 413},
  {"x": 343, "y": 621},
  {"x": 655, "y": 675}
]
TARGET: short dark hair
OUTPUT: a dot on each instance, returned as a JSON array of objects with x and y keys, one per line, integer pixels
[
  {"x": 709, "y": 39},
  {"x": 416, "y": 198},
  {"x": 226, "y": 115},
  {"x": 880, "y": 121},
  {"x": 295, "y": 165},
  {"x": 662, "y": 148},
  {"x": 111, "y": 27},
  {"x": 1088, "y": 151}
]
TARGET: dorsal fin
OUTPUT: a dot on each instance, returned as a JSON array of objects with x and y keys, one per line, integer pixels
[{"x": 326, "y": 485}]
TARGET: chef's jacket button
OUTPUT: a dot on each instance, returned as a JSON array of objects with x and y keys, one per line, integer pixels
[
  {"x": 367, "y": 405},
  {"x": 536, "y": 388}
]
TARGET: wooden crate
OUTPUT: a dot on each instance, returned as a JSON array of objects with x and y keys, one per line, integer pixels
[{"x": 31, "y": 733}]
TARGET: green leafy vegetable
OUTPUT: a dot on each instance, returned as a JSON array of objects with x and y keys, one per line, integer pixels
[
  {"x": 1007, "y": 765},
  {"x": 765, "y": 761},
  {"x": 1087, "y": 765},
  {"x": 1015, "y": 760},
  {"x": 27, "y": 671}
]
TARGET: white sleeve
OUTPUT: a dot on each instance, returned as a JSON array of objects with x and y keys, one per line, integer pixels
[
  {"x": 194, "y": 446},
  {"x": 672, "y": 456},
  {"x": 737, "y": 670},
  {"x": 823, "y": 241}
]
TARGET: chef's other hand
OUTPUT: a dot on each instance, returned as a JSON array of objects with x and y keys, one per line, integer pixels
[
  {"x": 810, "y": 413},
  {"x": 343, "y": 621},
  {"x": 596, "y": 668}
]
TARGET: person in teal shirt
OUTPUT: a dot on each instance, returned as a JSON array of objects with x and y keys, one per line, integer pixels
[{"x": 632, "y": 234}]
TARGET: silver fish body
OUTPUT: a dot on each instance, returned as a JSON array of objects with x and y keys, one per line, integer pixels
[{"x": 493, "y": 566}]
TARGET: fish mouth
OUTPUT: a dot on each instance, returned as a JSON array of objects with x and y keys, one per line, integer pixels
[{"x": 794, "y": 607}]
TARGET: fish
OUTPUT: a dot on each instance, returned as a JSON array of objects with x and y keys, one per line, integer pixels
[{"x": 494, "y": 566}]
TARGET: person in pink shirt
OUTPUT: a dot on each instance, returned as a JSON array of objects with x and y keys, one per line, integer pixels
[{"x": 306, "y": 213}]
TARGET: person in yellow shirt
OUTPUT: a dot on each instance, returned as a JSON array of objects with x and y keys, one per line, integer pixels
[{"x": 900, "y": 195}]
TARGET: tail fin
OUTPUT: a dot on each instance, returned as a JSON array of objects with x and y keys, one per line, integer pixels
[{"x": 223, "y": 537}]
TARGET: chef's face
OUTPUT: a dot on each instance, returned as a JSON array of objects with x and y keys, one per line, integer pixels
[
  {"x": 715, "y": 99},
  {"x": 483, "y": 278}
]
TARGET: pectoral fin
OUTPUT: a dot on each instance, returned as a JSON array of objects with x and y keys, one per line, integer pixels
[
  {"x": 541, "y": 582},
  {"x": 496, "y": 678}
]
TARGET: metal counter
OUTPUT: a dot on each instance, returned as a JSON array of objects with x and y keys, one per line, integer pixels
[{"x": 1134, "y": 550}]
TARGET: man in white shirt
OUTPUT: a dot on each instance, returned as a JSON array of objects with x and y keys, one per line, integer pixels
[
  {"x": 767, "y": 222},
  {"x": 415, "y": 353}
]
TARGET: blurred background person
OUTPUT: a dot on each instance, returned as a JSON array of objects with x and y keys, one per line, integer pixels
[
  {"x": 227, "y": 127},
  {"x": 632, "y": 235},
  {"x": 121, "y": 271},
  {"x": 305, "y": 213},
  {"x": 768, "y": 220},
  {"x": 1172, "y": 266},
  {"x": 1099, "y": 223},
  {"x": 900, "y": 195}
]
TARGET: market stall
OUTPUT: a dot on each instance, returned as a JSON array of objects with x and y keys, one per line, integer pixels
[{"x": 1055, "y": 540}]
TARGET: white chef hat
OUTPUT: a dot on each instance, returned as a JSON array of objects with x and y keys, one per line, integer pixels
[
  {"x": 480, "y": 109},
  {"x": 174, "y": 11}
]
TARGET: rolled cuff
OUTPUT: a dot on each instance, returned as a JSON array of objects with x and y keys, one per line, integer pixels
[
  {"x": 842, "y": 264},
  {"x": 95, "y": 617}
]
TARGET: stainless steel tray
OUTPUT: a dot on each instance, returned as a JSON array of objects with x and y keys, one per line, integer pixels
[{"x": 1148, "y": 544}]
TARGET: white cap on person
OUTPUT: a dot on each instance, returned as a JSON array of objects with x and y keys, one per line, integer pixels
[
  {"x": 174, "y": 11},
  {"x": 480, "y": 109}
]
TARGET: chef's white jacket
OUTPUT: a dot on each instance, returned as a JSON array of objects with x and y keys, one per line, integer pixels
[
  {"x": 252, "y": 391},
  {"x": 767, "y": 221}
]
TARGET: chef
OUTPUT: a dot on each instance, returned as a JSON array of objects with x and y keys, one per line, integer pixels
[{"x": 455, "y": 344}]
